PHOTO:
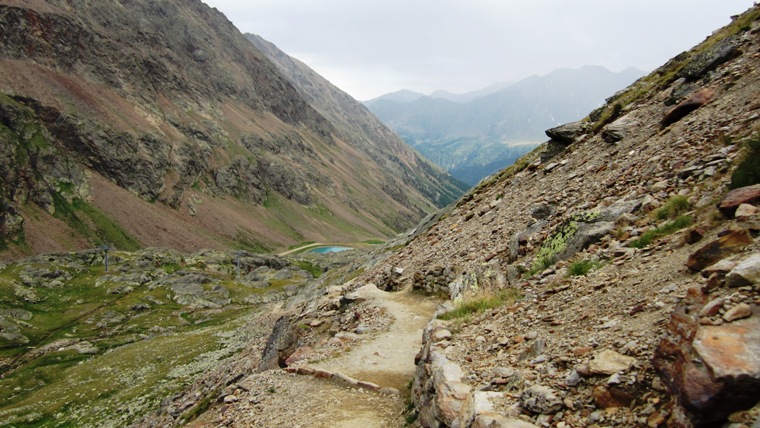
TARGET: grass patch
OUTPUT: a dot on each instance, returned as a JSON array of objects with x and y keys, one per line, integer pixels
[
  {"x": 310, "y": 267},
  {"x": 667, "y": 229},
  {"x": 373, "y": 242},
  {"x": 582, "y": 267},
  {"x": 747, "y": 173},
  {"x": 481, "y": 303},
  {"x": 676, "y": 206}
]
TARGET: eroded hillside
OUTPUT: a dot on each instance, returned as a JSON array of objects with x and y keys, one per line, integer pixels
[{"x": 144, "y": 124}]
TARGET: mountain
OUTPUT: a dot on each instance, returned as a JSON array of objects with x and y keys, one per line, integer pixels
[
  {"x": 608, "y": 278},
  {"x": 159, "y": 124},
  {"x": 401, "y": 96},
  {"x": 360, "y": 128},
  {"x": 476, "y": 138}
]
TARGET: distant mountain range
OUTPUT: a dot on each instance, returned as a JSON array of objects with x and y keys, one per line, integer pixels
[{"x": 475, "y": 134}]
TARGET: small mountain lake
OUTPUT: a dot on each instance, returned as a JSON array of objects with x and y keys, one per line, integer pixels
[{"x": 332, "y": 249}]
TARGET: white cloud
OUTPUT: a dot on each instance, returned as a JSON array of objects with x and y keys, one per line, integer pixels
[{"x": 368, "y": 48}]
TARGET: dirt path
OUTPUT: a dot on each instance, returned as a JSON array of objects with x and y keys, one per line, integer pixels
[
  {"x": 275, "y": 398},
  {"x": 388, "y": 359}
]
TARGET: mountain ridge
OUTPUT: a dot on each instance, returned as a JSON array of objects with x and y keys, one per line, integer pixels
[{"x": 173, "y": 105}]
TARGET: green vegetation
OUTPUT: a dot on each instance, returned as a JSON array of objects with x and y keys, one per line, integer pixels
[
  {"x": 373, "y": 242},
  {"x": 482, "y": 303},
  {"x": 310, "y": 267},
  {"x": 582, "y": 267},
  {"x": 668, "y": 228},
  {"x": 557, "y": 242},
  {"x": 747, "y": 173},
  {"x": 676, "y": 206},
  {"x": 123, "y": 339}
]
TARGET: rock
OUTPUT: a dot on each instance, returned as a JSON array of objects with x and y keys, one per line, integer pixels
[
  {"x": 566, "y": 133},
  {"x": 712, "y": 308},
  {"x": 280, "y": 345},
  {"x": 718, "y": 249},
  {"x": 721, "y": 268},
  {"x": 742, "y": 310},
  {"x": 540, "y": 399},
  {"x": 344, "y": 380},
  {"x": 494, "y": 420},
  {"x": 440, "y": 334},
  {"x": 743, "y": 195},
  {"x": 711, "y": 58},
  {"x": 745, "y": 212},
  {"x": 609, "y": 362},
  {"x": 693, "y": 102},
  {"x": 613, "y": 397},
  {"x": 542, "y": 211},
  {"x": 745, "y": 273},
  {"x": 619, "y": 129},
  {"x": 712, "y": 371}
]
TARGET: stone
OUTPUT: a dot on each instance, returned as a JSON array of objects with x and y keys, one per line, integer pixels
[
  {"x": 609, "y": 362},
  {"x": 540, "y": 399},
  {"x": 743, "y": 195},
  {"x": 494, "y": 420},
  {"x": 280, "y": 345},
  {"x": 746, "y": 272},
  {"x": 440, "y": 334},
  {"x": 344, "y": 380},
  {"x": 721, "y": 268},
  {"x": 613, "y": 397},
  {"x": 742, "y": 310},
  {"x": 542, "y": 211},
  {"x": 228, "y": 399},
  {"x": 745, "y": 212},
  {"x": 368, "y": 386},
  {"x": 712, "y": 308},
  {"x": 693, "y": 102},
  {"x": 712, "y": 371},
  {"x": 619, "y": 129},
  {"x": 566, "y": 133},
  {"x": 718, "y": 249},
  {"x": 710, "y": 59}
]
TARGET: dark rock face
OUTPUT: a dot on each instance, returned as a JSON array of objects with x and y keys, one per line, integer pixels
[
  {"x": 707, "y": 61},
  {"x": 566, "y": 133},
  {"x": 281, "y": 343}
]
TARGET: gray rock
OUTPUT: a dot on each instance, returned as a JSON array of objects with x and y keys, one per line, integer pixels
[
  {"x": 566, "y": 133},
  {"x": 745, "y": 273},
  {"x": 620, "y": 129},
  {"x": 280, "y": 344},
  {"x": 540, "y": 399},
  {"x": 711, "y": 58}
]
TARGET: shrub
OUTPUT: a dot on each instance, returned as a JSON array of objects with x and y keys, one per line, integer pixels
[
  {"x": 667, "y": 229},
  {"x": 747, "y": 172},
  {"x": 481, "y": 303},
  {"x": 582, "y": 267},
  {"x": 676, "y": 206}
]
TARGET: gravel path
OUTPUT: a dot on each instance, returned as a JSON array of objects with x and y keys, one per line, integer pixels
[{"x": 276, "y": 398}]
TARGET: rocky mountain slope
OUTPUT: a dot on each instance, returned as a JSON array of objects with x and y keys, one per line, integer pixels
[
  {"x": 478, "y": 137},
  {"x": 609, "y": 278},
  {"x": 145, "y": 123}
]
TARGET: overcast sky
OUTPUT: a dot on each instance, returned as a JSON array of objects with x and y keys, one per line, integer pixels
[{"x": 371, "y": 47}]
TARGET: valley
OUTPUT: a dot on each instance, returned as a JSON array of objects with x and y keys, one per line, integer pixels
[{"x": 609, "y": 277}]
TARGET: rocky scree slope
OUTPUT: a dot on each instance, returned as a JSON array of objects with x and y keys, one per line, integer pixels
[
  {"x": 635, "y": 262},
  {"x": 147, "y": 123}
]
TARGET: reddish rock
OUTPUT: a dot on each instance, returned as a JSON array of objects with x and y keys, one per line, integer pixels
[
  {"x": 712, "y": 371},
  {"x": 718, "y": 249},
  {"x": 736, "y": 197},
  {"x": 695, "y": 101},
  {"x": 613, "y": 397}
]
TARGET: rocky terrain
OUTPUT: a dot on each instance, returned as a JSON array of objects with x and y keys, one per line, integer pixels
[
  {"x": 158, "y": 124},
  {"x": 609, "y": 278}
]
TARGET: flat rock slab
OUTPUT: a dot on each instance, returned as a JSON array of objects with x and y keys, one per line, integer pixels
[{"x": 736, "y": 197}]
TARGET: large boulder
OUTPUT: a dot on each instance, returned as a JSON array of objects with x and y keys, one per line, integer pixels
[
  {"x": 717, "y": 250},
  {"x": 736, "y": 197},
  {"x": 693, "y": 102},
  {"x": 281, "y": 344},
  {"x": 566, "y": 133}
]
